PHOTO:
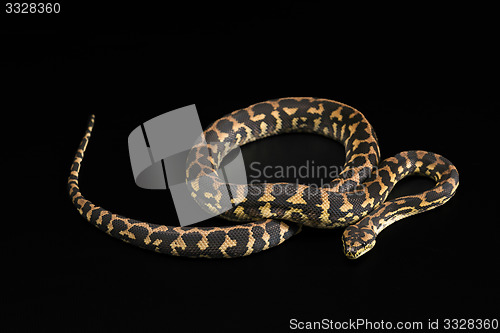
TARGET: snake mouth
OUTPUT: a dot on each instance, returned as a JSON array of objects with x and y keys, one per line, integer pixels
[{"x": 354, "y": 252}]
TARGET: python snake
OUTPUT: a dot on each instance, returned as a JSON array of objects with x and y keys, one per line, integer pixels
[{"x": 273, "y": 212}]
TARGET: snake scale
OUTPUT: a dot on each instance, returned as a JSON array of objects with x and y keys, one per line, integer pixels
[{"x": 270, "y": 213}]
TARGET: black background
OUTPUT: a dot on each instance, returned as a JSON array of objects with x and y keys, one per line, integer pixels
[{"x": 426, "y": 78}]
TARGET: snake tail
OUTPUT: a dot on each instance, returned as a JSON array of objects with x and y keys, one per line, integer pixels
[{"x": 196, "y": 242}]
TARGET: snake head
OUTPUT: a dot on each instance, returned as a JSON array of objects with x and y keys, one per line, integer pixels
[{"x": 357, "y": 241}]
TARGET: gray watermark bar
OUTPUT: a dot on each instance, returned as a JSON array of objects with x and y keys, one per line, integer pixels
[{"x": 158, "y": 152}]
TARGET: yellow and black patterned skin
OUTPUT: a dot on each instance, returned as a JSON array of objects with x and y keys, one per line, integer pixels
[{"x": 273, "y": 212}]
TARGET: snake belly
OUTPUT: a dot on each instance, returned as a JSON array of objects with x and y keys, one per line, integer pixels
[{"x": 273, "y": 212}]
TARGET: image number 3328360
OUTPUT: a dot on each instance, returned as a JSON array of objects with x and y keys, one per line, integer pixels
[{"x": 32, "y": 8}]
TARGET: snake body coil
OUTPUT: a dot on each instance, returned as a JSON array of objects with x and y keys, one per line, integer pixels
[{"x": 273, "y": 212}]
